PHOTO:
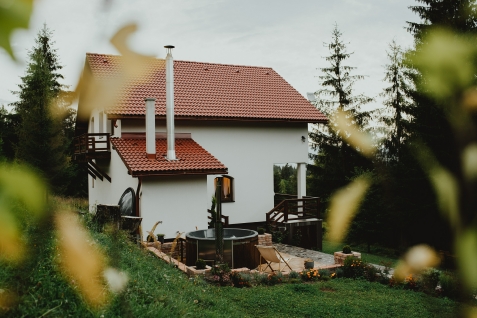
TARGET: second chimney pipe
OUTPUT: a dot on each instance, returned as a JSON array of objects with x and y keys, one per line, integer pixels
[
  {"x": 171, "y": 152},
  {"x": 150, "y": 128}
]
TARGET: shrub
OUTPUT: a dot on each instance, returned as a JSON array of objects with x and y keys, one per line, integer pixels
[
  {"x": 261, "y": 230},
  {"x": 354, "y": 268},
  {"x": 449, "y": 285},
  {"x": 372, "y": 274},
  {"x": 310, "y": 274},
  {"x": 220, "y": 274},
  {"x": 429, "y": 280},
  {"x": 200, "y": 264},
  {"x": 324, "y": 274},
  {"x": 293, "y": 274},
  {"x": 339, "y": 272},
  {"x": 275, "y": 278},
  {"x": 240, "y": 280},
  {"x": 411, "y": 282},
  {"x": 347, "y": 249},
  {"x": 261, "y": 278}
]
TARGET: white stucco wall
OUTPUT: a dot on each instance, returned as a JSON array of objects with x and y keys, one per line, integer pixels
[
  {"x": 249, "y": 150},
  {"x": 180, "y": 202},
  {"x": 110, "y": 193}
]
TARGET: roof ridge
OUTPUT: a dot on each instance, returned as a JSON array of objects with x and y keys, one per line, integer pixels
[{"x": 184, "y": 61}]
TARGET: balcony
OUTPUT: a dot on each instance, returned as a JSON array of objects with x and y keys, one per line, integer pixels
[{"x": 92, "y": 146}]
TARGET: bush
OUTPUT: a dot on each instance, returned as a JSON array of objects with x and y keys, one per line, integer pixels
[
  {"x": 220, "y": 274},
  {"x": 240, "y": 280},
  {"x": 293, "y": 274},
  {"x": 324, "y": 274},
  {"x": 449, "y": 285},
  {"x": 347, "y": 249},
  {"x": 429, "y": 280},
  {"x": 261, "y": 230},
  {"x": 310, "y": 274},
  {"x": 354, "y": 268},
  {"x": 200, "y": 264}
]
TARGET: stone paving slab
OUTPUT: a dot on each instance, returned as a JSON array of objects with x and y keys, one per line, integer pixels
[{"x": 320, "y": 259}]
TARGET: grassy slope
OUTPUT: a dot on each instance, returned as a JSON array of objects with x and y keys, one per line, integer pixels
[{"x": 158, "y": 290}]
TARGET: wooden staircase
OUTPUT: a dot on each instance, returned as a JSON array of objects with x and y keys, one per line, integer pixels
[{"x": 293, "y": 210}]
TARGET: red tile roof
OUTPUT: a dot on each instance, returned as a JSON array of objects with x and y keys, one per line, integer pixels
[
  {"x": 210, "y": 91},
  {"x": 192, "y": 158}
]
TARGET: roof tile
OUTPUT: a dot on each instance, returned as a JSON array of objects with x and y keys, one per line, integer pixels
[
  {"x": 192, "y": 158},
  {"x": 209, "y": 90}
]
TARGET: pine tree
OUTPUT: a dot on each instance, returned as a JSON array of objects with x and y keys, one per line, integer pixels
[
  {"x": 336, "y": 160},
  {"x": 41, "y": 135},
  {"x": 458, "y": 15},
  {"x": 395, "y": 116}
]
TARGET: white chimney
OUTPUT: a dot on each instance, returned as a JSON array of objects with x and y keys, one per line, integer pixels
[
  {"x": 150, "y": 128},
  {"x": 171, "y": 152}
]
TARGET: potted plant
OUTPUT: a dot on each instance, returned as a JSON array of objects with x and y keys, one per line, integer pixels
[
  {"x": 200, "y": 264},
  {"x": 160, "y": 238},
  {"x": 346, "y": 249},
  {"x": 309, "y": 263},
  {"x": 261, "y": 230}
]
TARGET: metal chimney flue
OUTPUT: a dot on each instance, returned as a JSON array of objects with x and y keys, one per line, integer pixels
[
  {"x": 150, "y": 128},
  {"x": 171, "y": 152}
]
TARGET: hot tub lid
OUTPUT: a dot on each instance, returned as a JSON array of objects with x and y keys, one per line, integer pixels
[{"x": 229, "y": 234}]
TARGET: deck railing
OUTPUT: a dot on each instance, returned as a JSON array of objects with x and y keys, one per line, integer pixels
[
  {"x": 92, "y": 146},
  {"x": 294, "y": 209}
]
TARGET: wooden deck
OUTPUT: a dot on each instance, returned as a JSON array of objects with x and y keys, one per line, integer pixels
[{"x": 92, "y": 146}]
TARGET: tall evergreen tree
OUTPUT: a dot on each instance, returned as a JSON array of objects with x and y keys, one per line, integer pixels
[
  {"x": 395, "y": 116},
  {"x": 41, "y": 135},
  {"x": 458, "y": 15},
  {"x": 336, "y": 160}
]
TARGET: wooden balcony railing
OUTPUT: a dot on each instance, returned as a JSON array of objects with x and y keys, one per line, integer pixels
[
  {"x": 294, "y": 209},
  {"x": 92, "y": 146}
]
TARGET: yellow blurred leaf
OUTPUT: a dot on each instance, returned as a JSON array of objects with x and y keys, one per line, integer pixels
[
  {"x": 417, "y": 259},
  {"x": 104, "y": 93},
  {"x": 446, "y": 61},
  {"x": 466, "y": 250},
  {"x": 352, "y": 134},
  {"x": 469, "y": 99},
  {"x": 7, "y": 299},
  {"x": 79, "y": 260},
  {"x": 343, "y": 207},
  {"x": 21, "y": 183},
  {"x": 14, "y": 14},
  {"x": 11, "y": 246},
  {"x": 469, "y": 161}
]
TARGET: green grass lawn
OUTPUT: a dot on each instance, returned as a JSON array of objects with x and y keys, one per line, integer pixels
[
  {"x": 156, "y": 289},
  {"x": 378, "y": 256}
]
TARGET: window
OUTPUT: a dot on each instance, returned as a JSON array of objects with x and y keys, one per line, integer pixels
[{"x": 227, "y": 188}]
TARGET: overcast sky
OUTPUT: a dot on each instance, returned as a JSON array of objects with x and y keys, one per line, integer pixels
[{"x": 285, "y": 35}]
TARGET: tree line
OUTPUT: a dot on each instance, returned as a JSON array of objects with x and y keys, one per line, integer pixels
[
  {"x": 39, "y": 131},
  {"x": 401, "y": 208}
]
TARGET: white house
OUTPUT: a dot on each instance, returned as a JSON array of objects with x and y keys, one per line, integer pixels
[{"x": 228, "y": 120}]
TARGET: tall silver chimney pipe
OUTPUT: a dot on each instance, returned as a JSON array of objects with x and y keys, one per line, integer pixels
[
  {"x": 171, "y": 152},
  {"x": 150, "y": 128}
]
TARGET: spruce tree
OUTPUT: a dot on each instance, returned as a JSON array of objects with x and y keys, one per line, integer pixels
[
  {"x": 395, "y": 116},
  {"x": 336, "y": 160},
  {"x": 41, "y": 135}
]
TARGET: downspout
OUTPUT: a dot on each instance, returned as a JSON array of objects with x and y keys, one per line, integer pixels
[{"x": 138, "y": 190}]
